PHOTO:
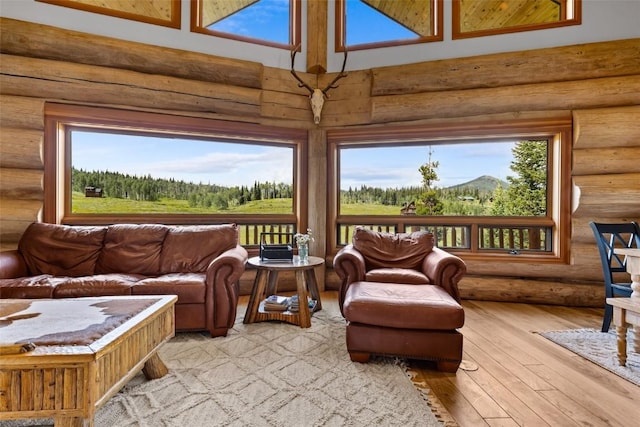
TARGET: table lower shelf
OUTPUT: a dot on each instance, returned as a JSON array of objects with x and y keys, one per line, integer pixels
[{"x": 292, "y": 317}]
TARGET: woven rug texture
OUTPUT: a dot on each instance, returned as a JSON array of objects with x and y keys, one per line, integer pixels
[
  {"x": 269, "y": 374},
  {"x": 600, "y": 348}
]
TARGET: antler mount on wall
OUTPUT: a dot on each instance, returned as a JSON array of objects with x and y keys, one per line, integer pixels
[{"x": 317, "y": 96}]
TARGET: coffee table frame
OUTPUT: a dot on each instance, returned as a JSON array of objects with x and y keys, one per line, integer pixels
[{"x": 69, "y": 383}]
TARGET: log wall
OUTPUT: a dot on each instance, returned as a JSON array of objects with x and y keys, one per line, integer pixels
[{"x": 599, "y": 84}]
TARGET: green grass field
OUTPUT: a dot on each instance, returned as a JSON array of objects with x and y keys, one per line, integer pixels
[{"x": 94, "y": 205}]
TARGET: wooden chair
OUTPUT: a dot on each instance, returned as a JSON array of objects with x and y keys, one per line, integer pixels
[{"x": 609, "y": 237}]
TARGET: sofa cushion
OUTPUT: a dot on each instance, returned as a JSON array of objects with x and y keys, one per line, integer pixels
[
  {"x": 192, "y": 248},
  {"x": 60, "y": 249},
  {"x": 189, "y": 287},
  {"x": 95, "y": 286},
  {"x": 389, "y": 250},
  {"x": 132, "y": 248},
  {"x": 40, "y": 286}
]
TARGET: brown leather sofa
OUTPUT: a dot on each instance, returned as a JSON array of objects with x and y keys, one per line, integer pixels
[
  {"x": 399, "y": 295},
  {"x": 201, "y": 264}
]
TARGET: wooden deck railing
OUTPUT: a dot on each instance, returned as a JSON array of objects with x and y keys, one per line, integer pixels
[
  {"x": 468, "y": 237},
  {"x": 250, "y": 234}
]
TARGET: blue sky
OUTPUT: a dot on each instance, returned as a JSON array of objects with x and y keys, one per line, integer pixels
[
  {"x": 268, "y": 20},
  {"x": 233, "y": 164},
  {"x": 393, "y": 167},
  {"x": 187, "y": 160},
  {"x": 230, "y": 164}
]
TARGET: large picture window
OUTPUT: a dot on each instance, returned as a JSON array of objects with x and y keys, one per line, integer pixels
[
  {"x": 501, "y": 191},
  {"x": 105, "y": 166}
]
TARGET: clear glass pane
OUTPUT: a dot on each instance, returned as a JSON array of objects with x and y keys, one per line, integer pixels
[
  {"x": 116, "y": 173},
  {"x": 361, "y": 20},
  {"x": 264, "y": 20},
  {"x": 501, "y": 16},
  {"x": 478, "y": 179}
]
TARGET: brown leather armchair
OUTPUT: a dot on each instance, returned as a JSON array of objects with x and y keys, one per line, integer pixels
[{"x": 399, "y": 294}]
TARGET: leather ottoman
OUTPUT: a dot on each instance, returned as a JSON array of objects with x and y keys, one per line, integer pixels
[{"x": 413, "y": 321}]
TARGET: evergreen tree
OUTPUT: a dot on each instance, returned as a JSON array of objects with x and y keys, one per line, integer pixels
[{"x": 527, "y": 191}]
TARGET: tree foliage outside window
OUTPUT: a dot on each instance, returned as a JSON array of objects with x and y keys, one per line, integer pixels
[
  {"x": 460, "y": 179},
  {"x": 526, "y": 194},
  {"x": 430, "y": 203}
]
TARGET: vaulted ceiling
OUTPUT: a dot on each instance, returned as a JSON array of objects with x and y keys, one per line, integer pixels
[{"x": 472, "y": 15}]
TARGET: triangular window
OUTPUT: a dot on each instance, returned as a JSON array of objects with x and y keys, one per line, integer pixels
[
  {"x": 365, "y": 24},
  {"x": 268, "y": 22}
]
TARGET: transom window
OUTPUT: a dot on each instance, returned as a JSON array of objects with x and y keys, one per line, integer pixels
[
  {"x": 268, "y": 22},
  {"x": 476, "y": 18},
  {"x": 109, "y": 166},
  {"x": 501, "y": 191},
  {"x": 395, "y": 22}
]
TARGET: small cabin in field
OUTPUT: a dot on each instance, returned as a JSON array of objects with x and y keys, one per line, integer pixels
[{"x": 92, "y": 192}]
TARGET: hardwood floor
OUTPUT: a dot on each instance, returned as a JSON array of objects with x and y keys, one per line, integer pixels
[{"x": 524, "y": 379}]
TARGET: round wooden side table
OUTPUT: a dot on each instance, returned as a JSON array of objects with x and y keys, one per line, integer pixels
[{"x": 266, "y": 284}]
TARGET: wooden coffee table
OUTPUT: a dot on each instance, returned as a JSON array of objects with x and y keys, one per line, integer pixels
[
  {"x": 266, "y": 283},
  {"x": 86, "y": 350}
]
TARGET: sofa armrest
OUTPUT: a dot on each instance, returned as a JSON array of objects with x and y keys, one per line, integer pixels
[
  {"x": 350, "y": 267},
  {"x": 445, "y": 270},
  {"x": 223, "y": 274},
  {"x": 12, "y": 265}
]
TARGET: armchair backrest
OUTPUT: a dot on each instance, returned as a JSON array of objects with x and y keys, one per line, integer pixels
[{"x": 389, "y": 250}]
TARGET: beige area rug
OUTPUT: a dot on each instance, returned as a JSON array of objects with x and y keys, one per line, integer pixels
[
  {"x": 600, "y": 348},
  {"x": 270, "y": 374}
]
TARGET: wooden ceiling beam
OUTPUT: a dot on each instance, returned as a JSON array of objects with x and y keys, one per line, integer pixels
[{"x": 317, "y": 11}]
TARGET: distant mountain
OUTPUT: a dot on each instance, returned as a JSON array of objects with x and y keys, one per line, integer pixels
[{"x": 484, "y": 183}]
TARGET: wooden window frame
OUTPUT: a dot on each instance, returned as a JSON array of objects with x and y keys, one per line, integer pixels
[
  {"x": 57, "y": 163},
  {"x": 558, "y": 191},
  {"x": 456, "y": 34},
  {"x": 340, "y": 30},
  {"x": 173, "y": 22},
  {"x": 295, "y": 17}
]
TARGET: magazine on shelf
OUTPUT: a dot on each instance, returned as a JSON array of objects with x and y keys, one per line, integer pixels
[
  {"x": 276, "y": 303},
  {"x": 294, "y": 304}
]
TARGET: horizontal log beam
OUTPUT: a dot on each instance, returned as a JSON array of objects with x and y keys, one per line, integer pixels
[
  {"x": 99, "y": 85},
  {"x": 20, "y": 210},
  {"x": 596, "y": 161},
  {"x": 567, "y": 63},
  {"x": 21, "y": 112},
  {"x": 581, "y": 232},
  {"x": 607, "y": 195},
  {"x": 21, "y": 184},
  {"x": 42, "y": 41},
  {"x": 606, "y": 127},
  {"x": 531, "y": 291},
  {"x": 611, "y": 91},
  {"x": 21, "y": 148},
  {"x": 11, "y": 231},
  {"x": 513, "y": 289}
]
